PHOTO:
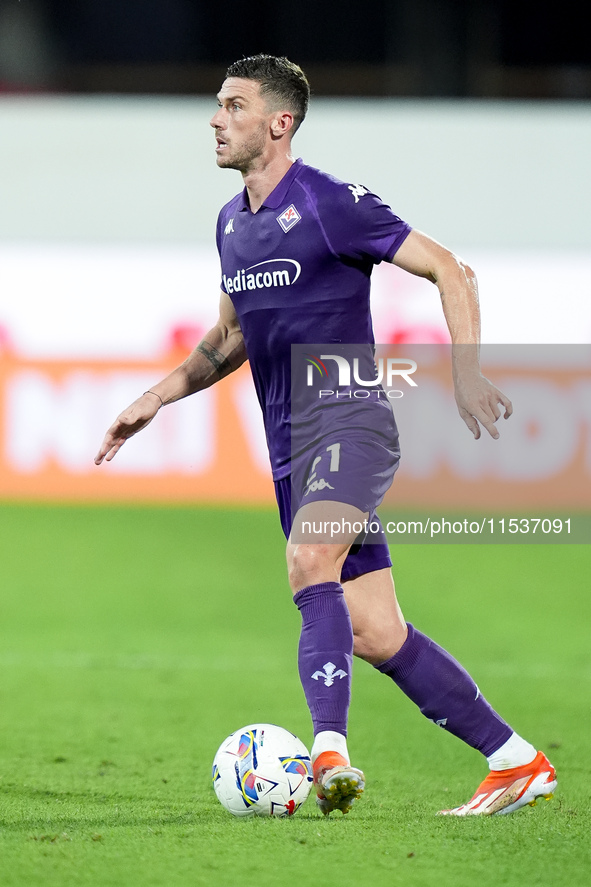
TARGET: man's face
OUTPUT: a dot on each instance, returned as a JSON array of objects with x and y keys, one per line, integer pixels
[{"x": 241, "y": 124}]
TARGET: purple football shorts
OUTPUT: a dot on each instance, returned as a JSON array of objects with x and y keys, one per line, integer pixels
[{"x": 354, "y": 467}]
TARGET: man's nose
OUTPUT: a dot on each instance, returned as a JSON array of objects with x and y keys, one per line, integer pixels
[{"x": 217, "y": 121}]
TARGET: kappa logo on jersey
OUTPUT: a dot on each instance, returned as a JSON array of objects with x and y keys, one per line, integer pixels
[
  {"x": 358, "y": 191},
  {"x": 289, "y": 218},
  {"x": 271, "y": 272},
  {"x": 229, "y": 229}
]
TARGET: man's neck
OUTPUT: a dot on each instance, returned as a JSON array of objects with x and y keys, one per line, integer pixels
[{"x": 261, "y": 181}]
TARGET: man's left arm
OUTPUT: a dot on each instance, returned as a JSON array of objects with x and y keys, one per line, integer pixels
[{"x": 477, "y": 398}]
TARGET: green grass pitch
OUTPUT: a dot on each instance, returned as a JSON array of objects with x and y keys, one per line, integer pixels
[{"x": 134, "y": 639}]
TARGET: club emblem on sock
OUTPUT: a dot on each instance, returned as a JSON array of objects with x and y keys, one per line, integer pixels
[{"x": 329, "y": 674}]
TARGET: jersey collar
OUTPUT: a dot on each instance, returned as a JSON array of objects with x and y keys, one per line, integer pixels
[{"x": 278, "y": 194}]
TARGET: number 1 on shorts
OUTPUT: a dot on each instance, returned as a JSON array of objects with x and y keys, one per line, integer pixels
[{"x": 335, "y": 456}]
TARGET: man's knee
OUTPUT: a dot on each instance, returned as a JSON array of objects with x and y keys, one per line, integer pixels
[
  {"x": 378, "y": 646},
  {"x": 379, "y": 628},
  {"x": 375, "y": 649},
  {"x": 378, "y": 639},
  {"x": 311, "y": 564}
]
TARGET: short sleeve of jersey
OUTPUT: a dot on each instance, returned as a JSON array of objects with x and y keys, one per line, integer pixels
[
  {"x": 360, "y": 226},
  {"x": 224, "y": 217},
  {"x": 218, "y": 230}
]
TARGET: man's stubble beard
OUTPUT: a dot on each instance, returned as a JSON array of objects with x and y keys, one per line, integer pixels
[{"x": 247, "y": 153}]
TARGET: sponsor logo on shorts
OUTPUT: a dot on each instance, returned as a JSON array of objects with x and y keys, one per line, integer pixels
[
  {"x": 315, "y": 485},
  {"x": 263, "y": 275}
]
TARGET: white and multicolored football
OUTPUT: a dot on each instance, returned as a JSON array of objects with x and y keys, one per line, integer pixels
[{"x": 262, "y": 770}]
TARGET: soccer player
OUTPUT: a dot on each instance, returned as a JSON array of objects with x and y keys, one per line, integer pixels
[{"x": 297, "y": 248}]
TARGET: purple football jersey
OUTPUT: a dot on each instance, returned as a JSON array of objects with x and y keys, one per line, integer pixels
[{"x": 298, "y": 271}]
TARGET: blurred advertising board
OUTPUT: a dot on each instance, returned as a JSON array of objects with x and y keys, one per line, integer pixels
[
  {"x": 54, "y": 414},
  {"x": 211, "y": 447}
]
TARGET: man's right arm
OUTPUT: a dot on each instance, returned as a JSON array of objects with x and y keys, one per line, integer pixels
[{"x": 219, "y": 353}]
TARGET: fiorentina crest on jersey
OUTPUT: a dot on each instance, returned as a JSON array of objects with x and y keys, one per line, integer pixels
[{"x": 289, "y": 218}]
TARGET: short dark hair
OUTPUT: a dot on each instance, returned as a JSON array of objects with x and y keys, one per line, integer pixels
[{"x": 279, "y": 79}]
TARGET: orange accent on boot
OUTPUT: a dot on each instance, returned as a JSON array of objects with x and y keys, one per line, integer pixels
[
  {"x": 325, "y": 761},
  {"x": 507, "y": 788},
  {"x": 501, "y": 778}
]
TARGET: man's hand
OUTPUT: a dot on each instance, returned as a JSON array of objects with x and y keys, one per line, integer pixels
[
  {"x": 129, "y": 422},
  {"x": 478, "y": 402}
]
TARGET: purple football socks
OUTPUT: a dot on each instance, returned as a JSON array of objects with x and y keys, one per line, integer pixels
[
  {"x": 445, "y": 692},
  {"x": 325, "y": 654}
]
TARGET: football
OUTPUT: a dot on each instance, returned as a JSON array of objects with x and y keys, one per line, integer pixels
[{"x": 262, "y": 770}]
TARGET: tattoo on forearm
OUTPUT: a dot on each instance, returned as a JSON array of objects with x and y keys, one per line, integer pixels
[{"x": 215, "y": 357}]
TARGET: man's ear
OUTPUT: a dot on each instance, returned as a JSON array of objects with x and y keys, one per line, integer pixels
[{"x": 281, "y": 124}]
